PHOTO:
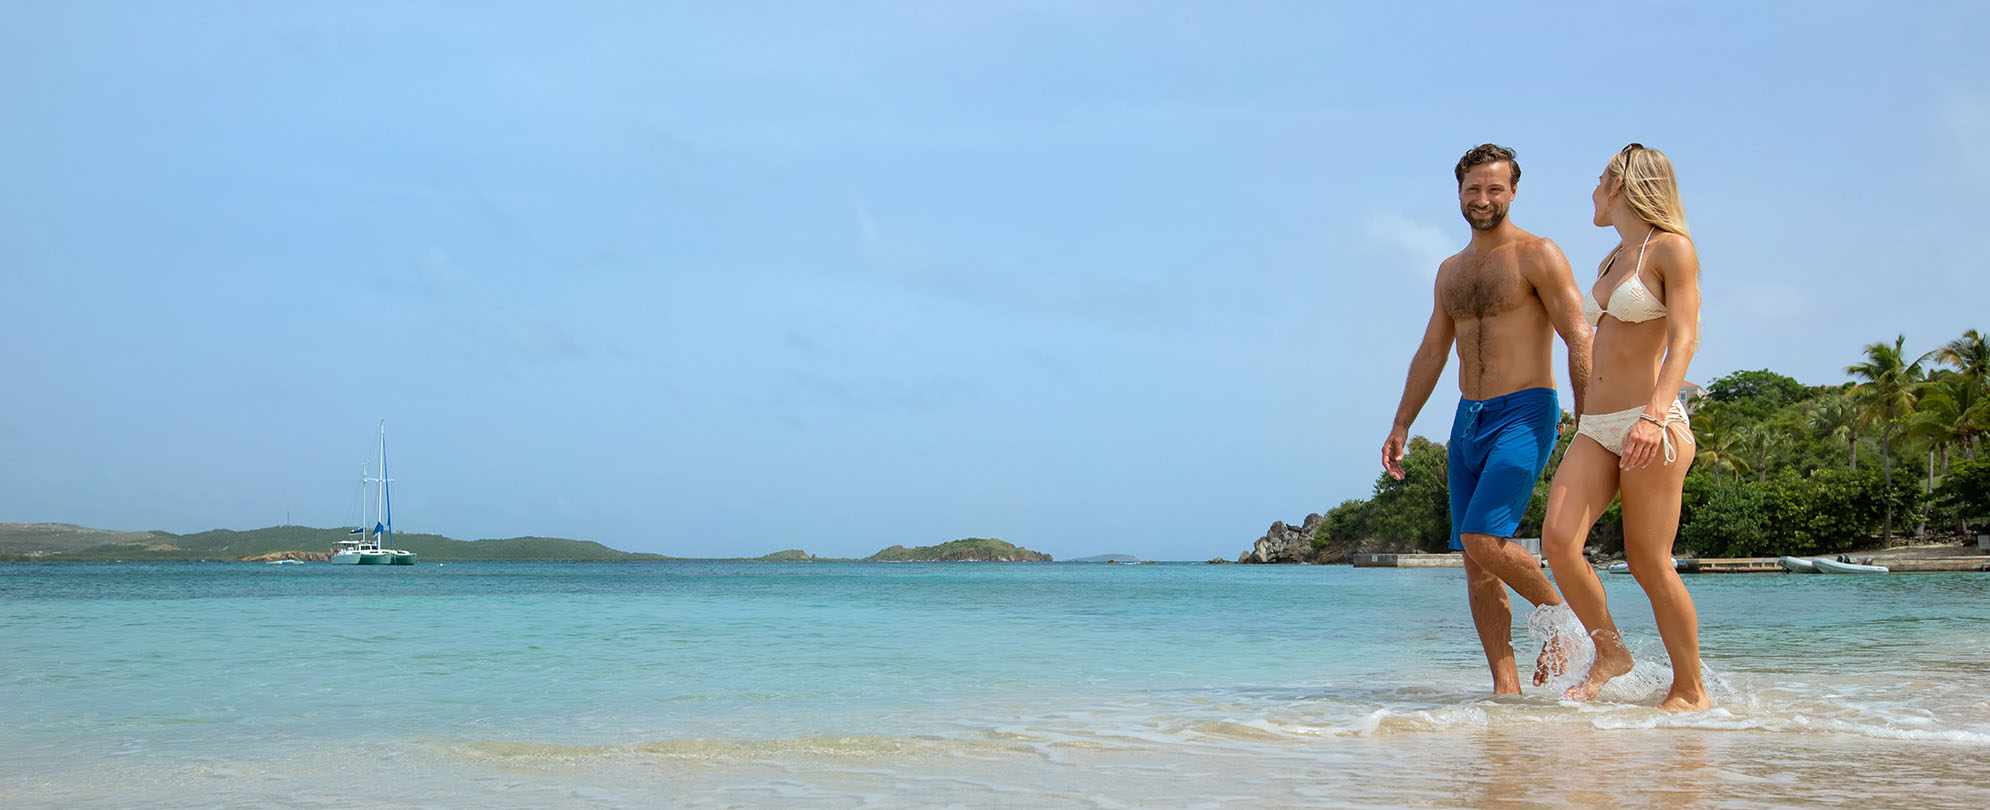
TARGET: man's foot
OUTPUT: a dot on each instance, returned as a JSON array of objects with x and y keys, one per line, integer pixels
[
  {"x": 1554, "y": 659},
  {"x": 1612, "y": 660},
  {"x": 1686, "y": 700},
  {"x": 1553, "y": 662}
]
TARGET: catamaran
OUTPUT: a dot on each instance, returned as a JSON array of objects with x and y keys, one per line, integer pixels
[{"x": 373, "y": 546}]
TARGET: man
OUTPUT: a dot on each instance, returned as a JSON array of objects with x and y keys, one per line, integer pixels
[{"x": 1497, "y": 300}]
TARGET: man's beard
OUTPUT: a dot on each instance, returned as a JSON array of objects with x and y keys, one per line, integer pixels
[{"x": 1492, "y": 221}]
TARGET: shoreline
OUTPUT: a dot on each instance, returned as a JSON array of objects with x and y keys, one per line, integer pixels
[{"x": 1924, "y": 559}]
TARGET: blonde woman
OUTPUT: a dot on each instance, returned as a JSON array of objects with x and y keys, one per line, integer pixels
[{"x": 1633, "y": 438}]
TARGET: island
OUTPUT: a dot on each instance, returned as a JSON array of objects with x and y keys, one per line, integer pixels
[
  {"x": 972, "y": 549},
  {"x": 63, "y": 542}
]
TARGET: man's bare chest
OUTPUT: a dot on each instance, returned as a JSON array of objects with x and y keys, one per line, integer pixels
[{"x": 1478, "y": 290}]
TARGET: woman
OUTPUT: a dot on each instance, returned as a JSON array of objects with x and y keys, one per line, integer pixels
[{"x": 1634, "y": 439}]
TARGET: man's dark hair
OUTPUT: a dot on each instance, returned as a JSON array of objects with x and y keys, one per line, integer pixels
[{"x": 1488, "y": 153}]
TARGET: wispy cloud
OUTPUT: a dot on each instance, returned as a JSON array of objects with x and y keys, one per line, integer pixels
[
  {"x": 1420, "y": 246},
  {"x": 1967, "y": 119},
  {"x": 1134, "y": 294}
]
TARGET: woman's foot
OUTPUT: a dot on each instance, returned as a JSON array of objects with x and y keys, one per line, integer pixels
[
  {"x": 1681, "y": 699},
  {"x": 1612, "y": 660}
]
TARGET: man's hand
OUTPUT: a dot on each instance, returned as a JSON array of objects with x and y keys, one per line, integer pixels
[{"x": 1392, "y": 452}]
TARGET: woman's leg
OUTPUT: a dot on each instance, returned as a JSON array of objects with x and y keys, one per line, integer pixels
[
  {"x": 1651, "y": 523},
  {"x": 1584, "y": 486}
]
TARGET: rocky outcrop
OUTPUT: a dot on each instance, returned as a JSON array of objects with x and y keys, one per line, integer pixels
[
  {"x": 300, "y": 556},
  {"x": 1285, "y": 544}
]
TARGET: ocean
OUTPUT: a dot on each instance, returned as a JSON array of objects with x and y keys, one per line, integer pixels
[{"x": 876, "y": 685}]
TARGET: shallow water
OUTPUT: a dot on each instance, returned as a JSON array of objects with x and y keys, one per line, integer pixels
[{"x": 932, "y": 685}]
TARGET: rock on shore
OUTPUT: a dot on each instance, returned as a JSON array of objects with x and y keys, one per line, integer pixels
[
  {"x": 300, "y": 556},
  {"x": 1285, "y": 544}
]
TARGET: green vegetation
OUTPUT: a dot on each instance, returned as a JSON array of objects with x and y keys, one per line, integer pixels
[
  {"x": 1780, "y": 467},
  {"x": 972, "y": 549}
]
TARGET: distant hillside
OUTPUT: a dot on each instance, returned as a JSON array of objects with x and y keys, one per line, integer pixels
[
  {"x": 973, "y": 549},
  {"x": 61, "y": 541}
]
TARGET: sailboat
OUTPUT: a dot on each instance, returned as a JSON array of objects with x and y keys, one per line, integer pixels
[{"x": 373, "y": 546}]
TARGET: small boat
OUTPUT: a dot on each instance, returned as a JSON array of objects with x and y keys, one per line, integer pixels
[
  {"x": 373, "y": 547},
  {"x": 1625, "y": 567},
  {"x": 1798, "y": 565},
  {"x": 1825, "y": 566},
  {"x": 286, "y": 562}
]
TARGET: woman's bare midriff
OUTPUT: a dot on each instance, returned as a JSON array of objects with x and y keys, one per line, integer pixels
[{"x": 1624, "y": 363}]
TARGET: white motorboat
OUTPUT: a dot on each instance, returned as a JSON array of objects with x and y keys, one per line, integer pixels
[
  {"x": 1825, "y": 566},
  {"x": 1622, "y": 567},
  {"x": 1798, "y": 565}
]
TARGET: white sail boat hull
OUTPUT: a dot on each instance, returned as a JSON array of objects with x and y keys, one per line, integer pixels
[{"x": 373, "y": 556}]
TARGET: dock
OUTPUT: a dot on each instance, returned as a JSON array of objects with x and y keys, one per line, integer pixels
[
  {"x": 1730, "y": 565},
  {"x": 1933, "y": 564}
]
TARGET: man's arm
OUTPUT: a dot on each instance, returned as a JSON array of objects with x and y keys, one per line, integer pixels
[
  {"x": 1425, "y": 368},
  {"x": 1555, "y": 284}
]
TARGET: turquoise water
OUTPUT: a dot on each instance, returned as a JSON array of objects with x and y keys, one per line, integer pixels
[{"x": 935, "y": 685}]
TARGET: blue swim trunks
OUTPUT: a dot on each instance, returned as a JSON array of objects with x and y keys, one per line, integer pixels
[{"x": 1497, "y": 451}]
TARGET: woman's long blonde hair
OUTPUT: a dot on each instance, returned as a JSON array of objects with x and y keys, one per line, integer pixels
[{"x": 1650, "y": 187}]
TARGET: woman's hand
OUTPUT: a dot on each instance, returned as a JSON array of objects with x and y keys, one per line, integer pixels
[{"x": 1642, "y": 445}]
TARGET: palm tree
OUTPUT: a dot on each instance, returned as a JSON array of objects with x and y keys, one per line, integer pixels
[
  {"x": 1719, "y": 443},
  {"x": 1759, "y": 445},
  {"x": 1886, "y": 397},
  {"x": 1970, "y": 355},
  {"x": 1835, "y": 416},
  {"x": 1952, "y": 412}
]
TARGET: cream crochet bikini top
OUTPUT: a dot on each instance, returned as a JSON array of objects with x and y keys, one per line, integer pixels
[{"x": 1632, "y": 301}]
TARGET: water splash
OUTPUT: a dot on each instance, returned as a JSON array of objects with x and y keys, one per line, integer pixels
[{"x": 1558, "y": 625}]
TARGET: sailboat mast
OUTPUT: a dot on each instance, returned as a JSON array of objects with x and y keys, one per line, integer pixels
[
  {"x": 364, "y": 480},
  {"x": 386, "y": 504}
]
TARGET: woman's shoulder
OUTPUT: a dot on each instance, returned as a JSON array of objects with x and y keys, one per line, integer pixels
[{"x": 1673, "y": 251}]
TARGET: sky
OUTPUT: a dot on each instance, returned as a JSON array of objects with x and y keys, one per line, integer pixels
[{"x": 721, "y": 279}]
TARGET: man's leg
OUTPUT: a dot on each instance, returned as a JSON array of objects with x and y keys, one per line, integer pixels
[
  {"x": 1513, "y": 565},
  {"x": 1495, "y": 623}
]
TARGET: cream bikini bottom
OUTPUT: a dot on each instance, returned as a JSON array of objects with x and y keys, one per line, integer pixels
[{"x": 1610, "y": 429}]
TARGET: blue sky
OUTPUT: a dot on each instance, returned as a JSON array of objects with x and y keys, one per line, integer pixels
[{"x": 726, "y": 278}]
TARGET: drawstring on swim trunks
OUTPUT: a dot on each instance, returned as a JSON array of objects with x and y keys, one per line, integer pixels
[
  {"x": 1473, "y": 424},
  {"x": 1665, "y": 432}
]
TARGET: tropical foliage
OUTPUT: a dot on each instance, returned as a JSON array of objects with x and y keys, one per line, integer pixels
[{"x": 1781, "y": 467}]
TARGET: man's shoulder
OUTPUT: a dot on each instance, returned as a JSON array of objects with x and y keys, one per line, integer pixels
[
  {"x": 1529, "y": 243},
  {"x": 1536, "y": 251}
]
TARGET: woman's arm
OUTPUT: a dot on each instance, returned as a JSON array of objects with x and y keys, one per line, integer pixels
[{"x": 1678, "y": 267}]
